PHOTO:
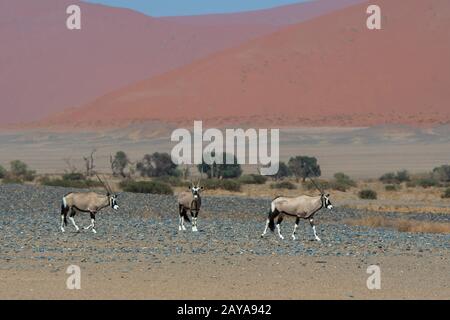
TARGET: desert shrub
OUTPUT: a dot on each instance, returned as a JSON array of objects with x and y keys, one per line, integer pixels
[
  {"x": 446, "y": 194},
  {"x": 8, "y": 179},
  {"x": 411, "y": 184},
  {"x": 283, "y": 172},
  {"x": 428, "y": 182},
  {"x": 224, "y": 184},
  {"x": 119, "y": 163},
  {"x": 367, "y": 194},
  {"x": 229, "y": 171},
  {"x": 70, "y": 183},
  {"x": 224, "y": 170},
  {"x": 173, "y": 181},
  {"x": 342, "y": 182},
  {"x": 29, "y": 176},
  {"x": 442, "y": 173},
  {"x": 403, "y": 176},
  {"x": 388, "y": 178},
  {"x": 339, "y": 186},
  {"x": 394, "y": 178},
  {"x": 157, "y": 165},
  {"x": 73, "y": 176},
  {"x": 211, "y": 184},
  {"x": 392, "y": 187},
  {"x": 252, "y": 179},
  {"x": 231, "y": 185},
  {"x": 19, "y": 170},
  {"x": 283, "y": 185},
  {"x": 2, "y": 172},
  {"x": 154, "y": 187},
  {"x": 304, "y": 167}
]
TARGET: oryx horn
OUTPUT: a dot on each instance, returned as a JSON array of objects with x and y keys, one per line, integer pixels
[
  {"x": 107, "y": 188},
  {"x": 314, "y": 182}
]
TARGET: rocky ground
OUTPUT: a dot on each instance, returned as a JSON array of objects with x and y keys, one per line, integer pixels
[
  {"x": 145, "y": 232},
  {"x": 147, "y": 225}
]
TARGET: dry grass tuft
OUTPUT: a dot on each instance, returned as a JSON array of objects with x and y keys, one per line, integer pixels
[
  {"x": 402, "y": 225},
  {"x": 399, "y": 208}
]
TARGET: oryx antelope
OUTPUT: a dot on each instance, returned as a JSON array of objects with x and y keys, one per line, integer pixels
[
  {"x": 189, "y": 201},
  {"x": 90, "y": 202},
  {"x": 302, "y": 207}
]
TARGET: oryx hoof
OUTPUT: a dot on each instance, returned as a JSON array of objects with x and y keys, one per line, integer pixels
[
  {"x": 318, "y": 239},
  {"x": 194, "y": 229},
  {"x": 293, "y": 237},
  {"x": 281, "y": 237},
  {"x": 93, "y": 230},
  {"x": 262, "y": 236},
  {"x": 62, "y": 230},
  {"x": 179, "y": 228}
]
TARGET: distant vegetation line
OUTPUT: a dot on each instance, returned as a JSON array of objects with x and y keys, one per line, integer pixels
[{"x": 156, "y": 173}]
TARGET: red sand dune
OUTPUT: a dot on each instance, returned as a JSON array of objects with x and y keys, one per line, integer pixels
[
  {"x": 44, "y": 68},
  {"x": 328, "y": 71}
]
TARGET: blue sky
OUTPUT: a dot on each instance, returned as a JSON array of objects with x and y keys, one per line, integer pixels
[{"x": 192, "y": 7}]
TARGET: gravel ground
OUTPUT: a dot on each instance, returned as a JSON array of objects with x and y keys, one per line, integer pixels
[{"x": 145, "y": 228}]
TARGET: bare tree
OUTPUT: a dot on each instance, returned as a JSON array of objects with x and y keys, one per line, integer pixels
[
  {"x": 113, "y": 164},
  {"x": 89, "y": 163},
  {"x": 71, "y": 167}
]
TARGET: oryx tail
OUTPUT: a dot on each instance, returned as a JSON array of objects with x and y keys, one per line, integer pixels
[
  {"x": 272, "y": 215},
  {"x": 64, "y": 209}
]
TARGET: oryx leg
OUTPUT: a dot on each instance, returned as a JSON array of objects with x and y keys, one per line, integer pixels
[
  {"x": 311, "y": 222},
  {"x": 194, "y": 214},
  {"x": 280, "y": 219},
  {"x": 71, "y": 218},
  {"x": 297, "y": 220},
  {"x": 266, "y": 227},
  {"x": 93, "y": 222},
  {"x": 62, "y": 223},
  {"x": 184, "y": 218},
  {"x": 180, "y": 223},
  {"x": 270, "y": 222},
  {"x": 64, "y": 211},
  {"x": 181, "y": 213},
  {"x": 92, "y": 225}
]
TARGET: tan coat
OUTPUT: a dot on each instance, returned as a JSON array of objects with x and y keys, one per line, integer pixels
[
  {"x": 86, "y": 201},
  {"x": 186, "y": 200},
  {"x": 302, "y": 206}
]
